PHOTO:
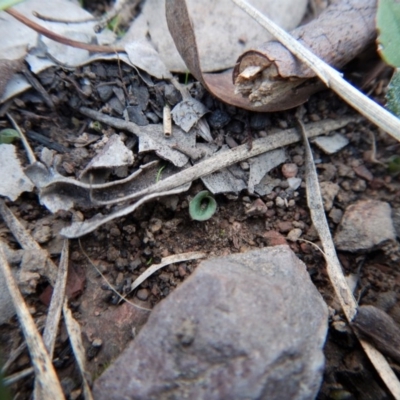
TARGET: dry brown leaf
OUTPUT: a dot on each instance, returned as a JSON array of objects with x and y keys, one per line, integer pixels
[
  {"x": 219, "y": 84},
  {"x": 341, "y": 32},
  {"x": 288, "y": 93},
  {"x": 226, "y": 31}
]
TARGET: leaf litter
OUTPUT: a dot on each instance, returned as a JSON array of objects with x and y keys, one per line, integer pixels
[{"x": 147, "y": 193}]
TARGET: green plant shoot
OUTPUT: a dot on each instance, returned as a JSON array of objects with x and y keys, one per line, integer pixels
[{"x": 8, "y": 135}]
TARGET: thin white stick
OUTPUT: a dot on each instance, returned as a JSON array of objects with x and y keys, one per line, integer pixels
[{"x": 332, "y": 78}]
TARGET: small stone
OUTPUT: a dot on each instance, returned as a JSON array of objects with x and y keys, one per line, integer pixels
[
  {"x": 289, "y": 170},
  {"x": 172, "y": 95},
  {"x": 331, "y": 144},
  {"x": 105, "y": 92},
  {"x": 244, "y": 165},
  {"x": 365, "y": 225},
  {"x": 218, "y": 119},
  {"x": 155, "y": 225},
  {"x": 363, "y": 172},
  {"x": 135, "y": 114},
  {"x": 258, "y": 207},
  {"x": 279, "y": 202},
  {"x": 141, "y": 95},
  {"x": 116, "y": 105},
  {"x": 283, "y": 124},
  {"x": 336, "y": 215},
  {"x": 219, "y": 335},
  {"x": 274, "y": 238},
  {"x": 294, "y": 183},
  {"x": 284, "y": 226},
  {"x": 329, "y": 191},
  {"x": 42, "y": 234},
  {"x": 298, "y": 159},
  {"x": 294, "y": 234},
  {"x": 119, "y": 92},
  {"x": 143, "y": 294},
  {"x": 235, "y": 126},
  {"x": 259, "y": 121},
  {"x": 359, "y": 185}
]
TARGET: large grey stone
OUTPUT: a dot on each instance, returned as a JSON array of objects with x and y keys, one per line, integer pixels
[
  {"x": 247, "y": 326},
  {"x": 365, "y": 225}
]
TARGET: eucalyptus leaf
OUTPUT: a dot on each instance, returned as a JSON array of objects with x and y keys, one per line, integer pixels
[
  {"x": 388, "y": 25},
  {"x": 203, "y": 206}
]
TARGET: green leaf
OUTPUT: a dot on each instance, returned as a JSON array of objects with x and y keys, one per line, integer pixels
[
  {"x": 8, "y": 3},
  {"x": 388, "y": 25},
  {"x": 202, "y": 206},
  {"x": 394, "y": 165},
  {"x": 7, "y": 136},
  {"x": 393, "y": 94}
]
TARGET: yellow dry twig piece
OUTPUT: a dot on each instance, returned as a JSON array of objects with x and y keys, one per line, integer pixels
[{"x": 49, "y": 386}]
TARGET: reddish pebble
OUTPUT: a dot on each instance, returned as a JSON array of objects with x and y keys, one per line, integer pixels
[
  {"x": 363, "y": 172},
  {"x": 305, "y": 248},
  {"x": 284, "y": 226},
  {"x": 289, "y": 170},
  {"x": 274, "y": 238}
]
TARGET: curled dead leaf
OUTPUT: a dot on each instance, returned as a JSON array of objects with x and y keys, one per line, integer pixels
[{"x": 261, "y": 82}]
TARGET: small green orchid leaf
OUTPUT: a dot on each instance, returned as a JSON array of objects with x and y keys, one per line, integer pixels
[
  {"x": 388, "y": 25},
  {"x": 203, "y": 206},
  {"x": 8, "y": 135},
  {"x": 393, "y": 94}
]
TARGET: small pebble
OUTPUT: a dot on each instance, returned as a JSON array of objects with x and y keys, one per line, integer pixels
[
  {"x": 294, "y": 234},
  {"x": 105, "y": 92},
  {"x": 218, "y": 119},
  {"x": 363, "y": 172},
  {"x": 289, "y": 170},
  {"x": 259, "y": 121},
  {"x": 235, "y": 126},
  {"x": 135, "y": 114},
  {"x": 282, "y": 124},
  {"x": 280, "y": 202},
  {"x": 336, "y": 215},
  {"x": 298, "y": 159},
  {"x": 155, "y": 225},
  {"x": 172, "y": 95},
  {"x": 284, "y": 226},
  {"x": 143, "y": 294},
  {"x": 116, "y": 105},
  {"x": 244, "y": 165}
]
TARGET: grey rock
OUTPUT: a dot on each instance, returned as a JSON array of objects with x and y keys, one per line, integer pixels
[
  {"x": 116, "y": 105},
  {"x": 259, "y": 121},
  {"x": 247, "y": 326},
  {"x": 135, "y": 114},
  {"x": 141, "y": 94},
  {"x": 105, "y": 92},
  {"x": 218, "y": 119},
  {"x": 172, "y": 95},
  {"x": 365, "y": 225}
]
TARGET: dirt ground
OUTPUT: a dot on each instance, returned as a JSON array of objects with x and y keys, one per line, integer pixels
[{"x": 123, "y": 249}]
